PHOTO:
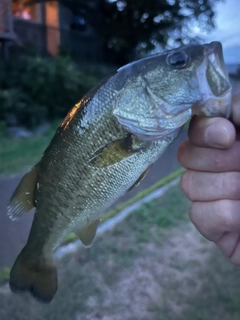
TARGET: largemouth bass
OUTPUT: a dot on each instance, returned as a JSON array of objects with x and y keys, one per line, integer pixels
[{"x": 105, "y": 146}]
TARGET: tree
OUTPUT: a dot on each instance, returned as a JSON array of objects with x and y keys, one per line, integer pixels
[
  {"x": 142, "y": 24},
  {"x": 129, "y": 26}
]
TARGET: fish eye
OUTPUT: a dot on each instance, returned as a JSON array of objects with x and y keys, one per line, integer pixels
[{"x": 177, "y": 59}]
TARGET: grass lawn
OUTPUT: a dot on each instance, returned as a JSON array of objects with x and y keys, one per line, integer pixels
[
  {"x": 18, "y": 154},
  {"x": 152, "y": 266}
]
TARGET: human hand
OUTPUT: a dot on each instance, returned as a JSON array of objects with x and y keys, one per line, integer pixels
[{"x": 212, "y": 180}]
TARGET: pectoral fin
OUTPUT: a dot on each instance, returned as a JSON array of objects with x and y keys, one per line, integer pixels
[
  {"x": 22, "y": 199},
  {"x": 87, "y": 234},
  {"x": 113, "y": 152},
  {"x": 142, "y": 176}
]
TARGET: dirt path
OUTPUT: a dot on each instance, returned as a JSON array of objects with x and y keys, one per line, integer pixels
[{"x": 157, "y": 280}]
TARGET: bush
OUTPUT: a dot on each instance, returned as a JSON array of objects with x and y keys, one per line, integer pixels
[{"x": 35, "y": 89}]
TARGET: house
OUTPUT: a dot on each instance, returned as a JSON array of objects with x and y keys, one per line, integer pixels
[
  {"x": 6, "y": 26},
  {"x": 51, "y": 27}
]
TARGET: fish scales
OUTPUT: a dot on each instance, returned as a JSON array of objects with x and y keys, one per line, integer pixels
[
  {"x": 97, "y": 187},
  {"x": 104, "y": 147}
]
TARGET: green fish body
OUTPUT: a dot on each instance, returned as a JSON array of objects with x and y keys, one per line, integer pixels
[{"x": 105, "y": 146}]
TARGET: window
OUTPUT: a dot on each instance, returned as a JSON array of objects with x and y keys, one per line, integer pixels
[{"x": 21, "y": 10}]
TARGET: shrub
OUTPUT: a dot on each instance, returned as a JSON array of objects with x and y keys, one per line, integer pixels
[{"x": 35, "y": 89}]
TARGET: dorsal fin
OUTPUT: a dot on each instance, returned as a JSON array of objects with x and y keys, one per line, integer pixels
[
  {"x": 22, "y": 199},
  {"x": 87, "y": 234}
]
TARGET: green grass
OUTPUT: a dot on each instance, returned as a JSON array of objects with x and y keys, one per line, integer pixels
[
  {"x": 159, "y": 214},
  {"x": 18, "y": 154},
  {"x": 4, "y": 274}
]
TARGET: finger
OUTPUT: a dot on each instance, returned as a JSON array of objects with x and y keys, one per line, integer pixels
[
  {"x": 215, "y": 218},
  {"x": 211, "y": 132},
  {"x": 203, "y": 186},
  {"x": 229, "y": 244},
  {"x": 209, "y": 160},
  {"x": 236, "y": 109}
]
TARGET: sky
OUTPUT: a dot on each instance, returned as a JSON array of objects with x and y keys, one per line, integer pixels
[{"x": 227, "y": 30}]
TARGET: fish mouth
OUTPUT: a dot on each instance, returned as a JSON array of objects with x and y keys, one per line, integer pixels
[{"x": 214, "y": 84}]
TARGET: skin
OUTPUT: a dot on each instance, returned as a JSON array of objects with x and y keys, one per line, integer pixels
[{"x": 211, "y": 156}]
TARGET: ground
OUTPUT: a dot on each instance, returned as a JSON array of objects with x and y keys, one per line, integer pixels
[{"x": 152, "y": 266}]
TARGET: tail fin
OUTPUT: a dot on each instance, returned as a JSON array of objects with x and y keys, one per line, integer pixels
[{"x": 38, "y": 277}]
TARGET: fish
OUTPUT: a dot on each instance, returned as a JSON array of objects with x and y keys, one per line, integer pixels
[{"x": 105, "y": 146}]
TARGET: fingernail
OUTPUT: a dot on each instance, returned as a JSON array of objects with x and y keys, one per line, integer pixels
[{"x": 217, "y": 136}]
